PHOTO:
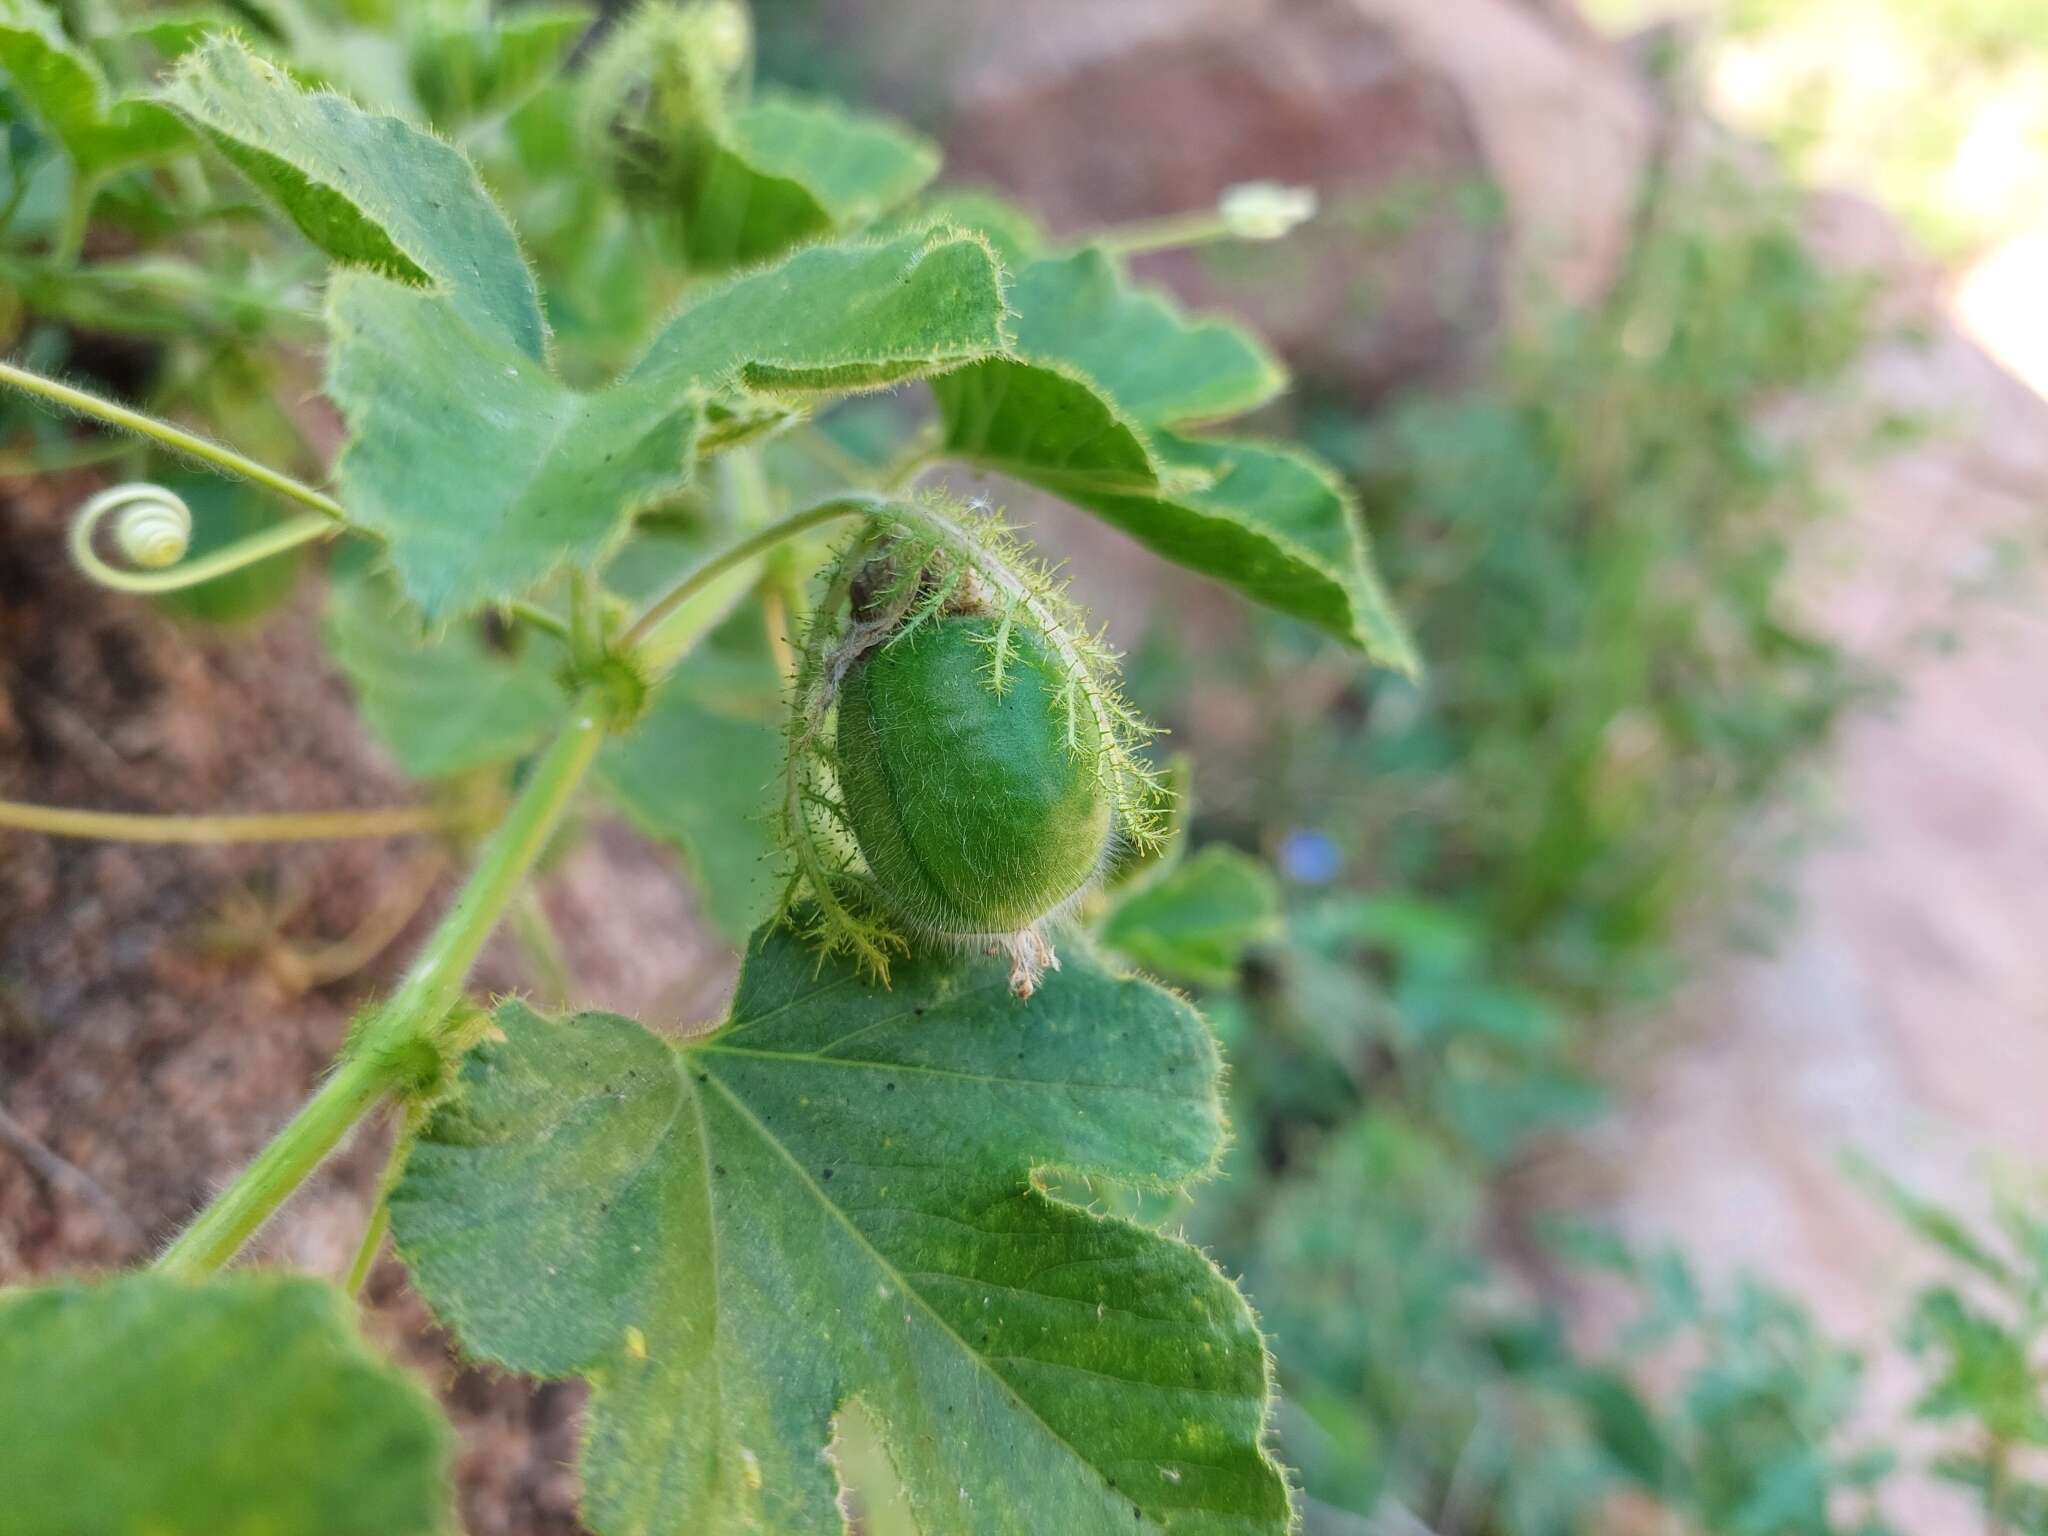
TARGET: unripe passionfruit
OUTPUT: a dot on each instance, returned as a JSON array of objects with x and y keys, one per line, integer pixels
[
  {"x": 961, "y": 760},
  {"x": 976, "y": 800}
]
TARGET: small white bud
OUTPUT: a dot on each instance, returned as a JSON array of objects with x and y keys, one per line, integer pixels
[
  {"x": 727, "y": 35},
  {"x": 1265, "y": 210}
]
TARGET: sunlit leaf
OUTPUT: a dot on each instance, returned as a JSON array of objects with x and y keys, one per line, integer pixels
[
  {"x": 484, "y": 472},
  {"x": 837, "y": 318},
  {"x": 142, "y": 1406},
  {"x": 1092, "y": 405},
  {"x": 830, "y": 1199}
]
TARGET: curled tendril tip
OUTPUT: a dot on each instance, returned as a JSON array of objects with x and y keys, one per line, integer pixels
[{"x": 153, "y": 532}]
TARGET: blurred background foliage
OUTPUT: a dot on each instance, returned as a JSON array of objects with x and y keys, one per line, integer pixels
[{"x": 1937, "y": 107}]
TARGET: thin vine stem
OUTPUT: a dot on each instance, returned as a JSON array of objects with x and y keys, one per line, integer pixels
[
  {"x": 759, "y": 542},
  {"x": 176, "y": 439},
  {"x": 355, "y": 1086},
  {"x": 373, "y": 1239},
  {"x": 386, "y": 1053},
  {"x": 261, "y": 827},
  {"x": 539, "y": 617},
  {"x": 547, "y": 962},
  {"x": 379, "y": 1224},
  {"x": 1175, "y": 231}
]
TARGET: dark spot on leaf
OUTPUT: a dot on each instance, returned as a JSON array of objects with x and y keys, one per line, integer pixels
[
  {"x": 888, "y": 1087},
  {"x": 719, "y": 1169},
  {"x": 825, "y": 1173}
]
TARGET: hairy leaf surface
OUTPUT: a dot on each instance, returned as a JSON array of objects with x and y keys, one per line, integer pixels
[
  {"x": 1091, "y": 404},
  {"x": 1194, "y": 922},
  {"x": 787, "y": 169},
  {"x": 371, "y": 191},
  {"x": 480, "y": 468},
  {"x": 66, "y": 90},
  {"x": 484, "y": 472},
  {"x": 144, "y": 1406},
  {"x": 830, "y": 1199}
]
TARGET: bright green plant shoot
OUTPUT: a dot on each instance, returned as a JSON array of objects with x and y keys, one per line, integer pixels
[{"x": 603, "y": 433}]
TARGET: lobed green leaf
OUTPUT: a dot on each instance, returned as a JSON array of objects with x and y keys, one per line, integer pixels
[
  {"x": 144, "y": 1406},
  {"x": 66, "y": 90},
  {"x": 830, "y": 1201},
  {"x": 833, "y": 319},
  {"x": 445, "y": 704},
  {"x": 484, "y": 472},
  {"x": 372, "y": 192},
  {"x": 480, "y": 469},
  {"x": 785, "y": 170},
  {"x": 1088, "y": 405}
]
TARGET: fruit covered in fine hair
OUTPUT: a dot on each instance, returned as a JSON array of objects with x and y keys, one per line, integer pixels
[{"x": 970, "y": 782}]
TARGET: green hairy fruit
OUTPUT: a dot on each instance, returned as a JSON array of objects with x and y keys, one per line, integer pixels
[
  {"x": 962, "y": 765},
  {"x": 977, "y": 808}
]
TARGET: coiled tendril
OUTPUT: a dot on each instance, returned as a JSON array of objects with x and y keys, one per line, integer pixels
[{"x": 153, "y": 530}]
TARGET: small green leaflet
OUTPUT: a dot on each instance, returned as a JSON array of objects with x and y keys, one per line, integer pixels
[
  {"x": 460, "y": 73},
  {"x": 831, "y": 1199},
  {"x": 443, "y": 705},
  {"x": 701, "y": 771},
  {"x": 836, "y": 318},
  {"x": 1090, "y": 406},
  {"x": 787, "y": 169},
  {"x": 143, "y": 1406},
  {"x": 65, "y": 89},
  {"x": 372, "y": 192},
  {"x": 483, "y": 472},
  {"x": 1194, "y": 922}
]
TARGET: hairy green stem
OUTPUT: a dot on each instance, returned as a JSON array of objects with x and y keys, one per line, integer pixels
[
  {"x": 174, "y": 438},
  {"x": 385, "y": 1054}
]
